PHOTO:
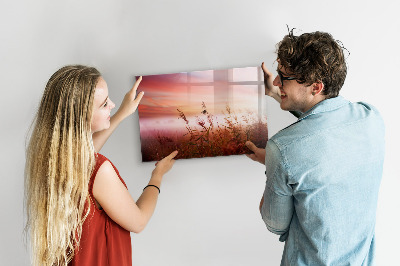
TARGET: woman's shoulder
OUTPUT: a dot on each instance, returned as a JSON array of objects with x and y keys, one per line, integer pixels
[
  {"x": 100, "y": 158},
  {"x": 105, "y": 167},
  {"x": 99, "y": 161},
  {"x": 102, "y": 164}
]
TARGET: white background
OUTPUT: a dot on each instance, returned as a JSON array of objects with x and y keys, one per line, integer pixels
[{"x": 208, "y": 208}]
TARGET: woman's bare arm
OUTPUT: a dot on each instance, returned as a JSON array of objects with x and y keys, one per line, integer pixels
[{"x": 119, "y": 205}]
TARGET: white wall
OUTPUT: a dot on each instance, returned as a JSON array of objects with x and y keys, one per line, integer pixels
[{"x": 208, "y": 209}]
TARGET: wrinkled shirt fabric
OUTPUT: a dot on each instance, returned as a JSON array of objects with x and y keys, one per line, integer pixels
[{"x": 323, "y": 176}]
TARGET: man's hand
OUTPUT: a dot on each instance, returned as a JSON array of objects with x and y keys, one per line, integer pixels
[
  {"x": 270, "y": 89},
  {"x": 258, "y": 155}
]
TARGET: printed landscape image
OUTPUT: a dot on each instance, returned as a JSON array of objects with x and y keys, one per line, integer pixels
[{"x": 202, "y": 113}]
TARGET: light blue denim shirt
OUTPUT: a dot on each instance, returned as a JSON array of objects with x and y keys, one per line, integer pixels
[{"x": 323, "y": 176}]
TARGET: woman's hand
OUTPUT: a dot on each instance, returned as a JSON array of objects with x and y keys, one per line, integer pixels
[
  {"x": 131, "y": 101},
  {"x": 270, "y": 89},
  {"x": 163, "y": 166}
]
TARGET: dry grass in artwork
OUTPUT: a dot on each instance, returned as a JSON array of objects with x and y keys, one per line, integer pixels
[{"x": 208, "y": 136}]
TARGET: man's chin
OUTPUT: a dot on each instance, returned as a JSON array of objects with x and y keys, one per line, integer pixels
[{"x": 284, "y": 107}]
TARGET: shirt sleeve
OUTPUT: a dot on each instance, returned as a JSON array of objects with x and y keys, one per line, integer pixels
[{"x": 277, "y": 209}]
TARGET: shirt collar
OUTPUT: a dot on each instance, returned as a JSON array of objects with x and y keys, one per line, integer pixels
[{"x": 325, "y": 106}]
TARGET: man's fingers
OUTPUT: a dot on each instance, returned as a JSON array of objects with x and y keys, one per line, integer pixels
[
  {"x": 265, "y": 69},
  {"x": 251, "y": 146},
  {"x": 251, "y": 156}
]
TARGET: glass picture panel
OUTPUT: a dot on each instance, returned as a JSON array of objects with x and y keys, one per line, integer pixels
[{"x": 202, "y": 113}]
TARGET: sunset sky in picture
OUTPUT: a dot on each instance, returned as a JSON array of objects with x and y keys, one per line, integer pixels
[{"x": 164, "y": 94}]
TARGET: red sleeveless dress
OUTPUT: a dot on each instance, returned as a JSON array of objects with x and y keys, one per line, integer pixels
[{"x": 103, "y": 241}]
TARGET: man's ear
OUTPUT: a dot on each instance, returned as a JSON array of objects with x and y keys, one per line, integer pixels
[{"x": 317, "y": 88}]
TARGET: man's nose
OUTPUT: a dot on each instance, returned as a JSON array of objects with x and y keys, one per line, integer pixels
[{"x": 277, "y": 81}]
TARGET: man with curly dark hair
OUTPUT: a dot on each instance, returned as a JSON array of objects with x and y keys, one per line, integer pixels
[{"x": 323, "y": 171}]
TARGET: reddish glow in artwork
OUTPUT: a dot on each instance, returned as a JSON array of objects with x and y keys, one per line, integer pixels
[{"x": 202, "y": 113}]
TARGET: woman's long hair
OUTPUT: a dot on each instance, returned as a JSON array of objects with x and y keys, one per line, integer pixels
[{"x": 59, "y": 161}]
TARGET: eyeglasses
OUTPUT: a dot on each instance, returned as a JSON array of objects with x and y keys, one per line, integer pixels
[{"x": 282, "y": 78}]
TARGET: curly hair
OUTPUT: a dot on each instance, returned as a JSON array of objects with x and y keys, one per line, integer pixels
[{"x": 314, "y": 57}]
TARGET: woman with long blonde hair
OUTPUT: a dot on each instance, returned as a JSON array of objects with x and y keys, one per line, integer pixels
[{"x": 79, "y": 211}]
